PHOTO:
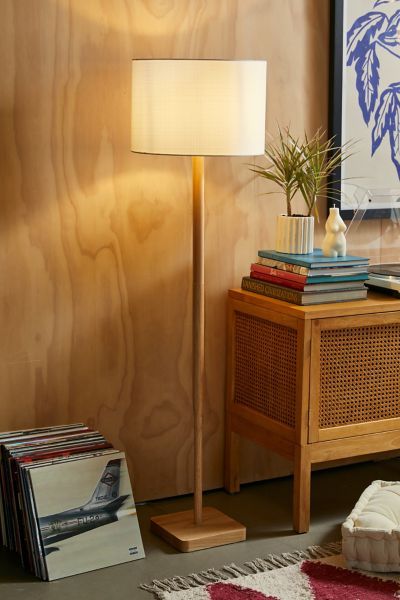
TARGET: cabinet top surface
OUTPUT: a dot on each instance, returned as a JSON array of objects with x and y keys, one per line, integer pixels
[{"x": 375, "y": 303}]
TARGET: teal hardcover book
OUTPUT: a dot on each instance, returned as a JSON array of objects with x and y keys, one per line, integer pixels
[
  {"x": 337, "y": 279},
  {"x": 314, "y": 260}
]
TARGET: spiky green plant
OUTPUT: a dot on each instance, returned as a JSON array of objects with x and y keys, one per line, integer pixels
[
  {"x": 303, "y": 166},
  {"x": 322, "y": 159},
  {"x": 287, "y": 159}
]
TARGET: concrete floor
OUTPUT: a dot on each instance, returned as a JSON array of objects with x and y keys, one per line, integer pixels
[{"x": 264, "y": 508}]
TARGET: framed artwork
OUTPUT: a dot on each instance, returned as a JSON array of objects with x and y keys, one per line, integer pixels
[{"x": 365, "y": 104}]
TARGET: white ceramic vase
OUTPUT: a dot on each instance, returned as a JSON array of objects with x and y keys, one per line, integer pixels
[{"x": 294, "y": 235}]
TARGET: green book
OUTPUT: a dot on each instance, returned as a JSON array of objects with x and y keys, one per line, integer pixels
[{"x": 301, "y": 298}]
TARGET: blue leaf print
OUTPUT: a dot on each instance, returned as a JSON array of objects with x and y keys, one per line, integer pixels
[
  {"x": 369, "y": 34},
  {"x": 379, "y": 2},
  {"x": 387, "y": 120},
  {"x": 390, "y": 39},
  {"x": 367, "y": 81},
  {"x": 383, "y": 118},
  {"x": 362, "y": 33},
  {"x": 395, "y": 133}
]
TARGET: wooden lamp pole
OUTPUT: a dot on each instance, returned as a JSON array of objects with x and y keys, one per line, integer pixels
[
  {"x": 198, "y": 331},
  {"x": 199, "y": 528}
]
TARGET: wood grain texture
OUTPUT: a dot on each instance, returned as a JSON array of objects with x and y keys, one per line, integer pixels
[
  {"x": 301, "y": 488},
  {"x": 95, "y": 242},
  {"x": 375, "y": 302}
]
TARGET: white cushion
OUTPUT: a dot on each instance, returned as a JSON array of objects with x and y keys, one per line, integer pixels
[{"x": 371, "y": 533}]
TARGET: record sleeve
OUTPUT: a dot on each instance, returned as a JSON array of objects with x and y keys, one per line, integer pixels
[
  {"x": 85, "y": 513},
  {"x": 391, "y": 269}
]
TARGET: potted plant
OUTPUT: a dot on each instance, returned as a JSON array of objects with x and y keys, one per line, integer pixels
[{"x": 301, "y": 167}]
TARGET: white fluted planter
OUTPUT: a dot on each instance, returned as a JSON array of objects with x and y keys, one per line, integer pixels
[{"x": 294, "y": 235}]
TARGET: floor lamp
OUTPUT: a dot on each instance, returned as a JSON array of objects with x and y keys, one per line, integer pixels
[{"x": 198, "y": 108}]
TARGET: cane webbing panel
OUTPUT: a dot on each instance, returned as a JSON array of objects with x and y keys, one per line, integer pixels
[
  {"x": 265, "y": 367},
  {"x": 359, "y": 374}
]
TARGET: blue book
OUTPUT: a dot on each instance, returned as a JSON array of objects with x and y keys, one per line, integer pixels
[{"x": 314, "y": 260}]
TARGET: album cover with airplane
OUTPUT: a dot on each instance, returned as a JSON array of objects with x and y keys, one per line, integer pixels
[{"x": 85, "y": 514}]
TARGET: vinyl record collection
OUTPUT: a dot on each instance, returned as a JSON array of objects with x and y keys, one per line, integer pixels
[{"x": 66, "y": 503}]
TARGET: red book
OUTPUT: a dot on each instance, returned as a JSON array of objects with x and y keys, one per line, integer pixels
[
  {"x": 278, "y": 274},
  {"x": 288, "y": 283}
]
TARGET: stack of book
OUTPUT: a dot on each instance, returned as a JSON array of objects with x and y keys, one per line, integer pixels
[
  {"x": 66, "y": 503},
  {"x": 385, "y": 278},
  {"x": 307, "y": 279}
]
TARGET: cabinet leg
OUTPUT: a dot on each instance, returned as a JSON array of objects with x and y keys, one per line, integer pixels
[
  {"x": 231, "y": 466},
  {"x": 301, "y": 489}
]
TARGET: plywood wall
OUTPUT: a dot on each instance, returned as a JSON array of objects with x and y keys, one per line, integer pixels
[{"x": 95, "y": 242}]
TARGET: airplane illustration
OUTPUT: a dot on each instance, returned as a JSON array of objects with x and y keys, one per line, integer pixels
[{"x": 100, "y": 510}]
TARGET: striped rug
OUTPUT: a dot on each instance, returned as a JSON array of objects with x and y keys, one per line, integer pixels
[{"x": 303, "y": 575}]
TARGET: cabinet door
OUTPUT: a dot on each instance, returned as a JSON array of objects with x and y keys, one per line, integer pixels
[
  {"x": 354, "y": 376},
  {"x": 265, "y": 369}
]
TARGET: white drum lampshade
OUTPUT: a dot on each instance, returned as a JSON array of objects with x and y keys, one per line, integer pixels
[{"x": 198, "y": 107}]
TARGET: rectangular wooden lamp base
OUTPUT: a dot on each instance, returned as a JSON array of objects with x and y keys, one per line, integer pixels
[{"x": 180, "y": 530}]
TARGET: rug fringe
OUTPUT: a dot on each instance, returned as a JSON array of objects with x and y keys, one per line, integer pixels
[{"x": 232, "y": 571}]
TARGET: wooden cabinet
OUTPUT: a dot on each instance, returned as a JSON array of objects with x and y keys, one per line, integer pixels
[{"x": 313, "y": 384}]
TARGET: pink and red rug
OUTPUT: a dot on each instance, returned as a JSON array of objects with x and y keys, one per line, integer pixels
[{"x": 270, "y": 579}]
